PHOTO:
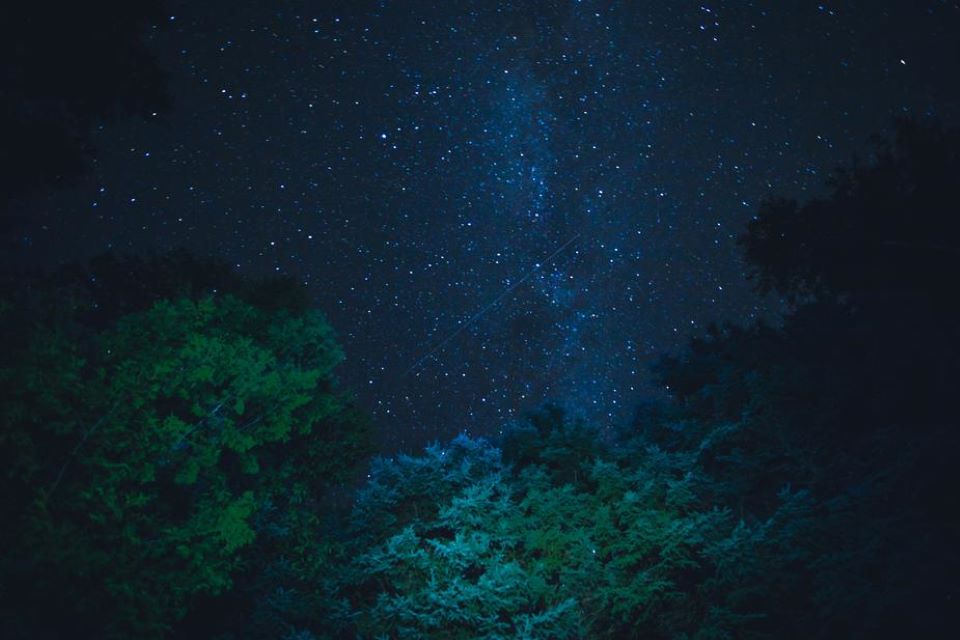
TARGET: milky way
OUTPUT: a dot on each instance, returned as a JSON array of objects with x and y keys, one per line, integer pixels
[{"x": 498, "y": 203}]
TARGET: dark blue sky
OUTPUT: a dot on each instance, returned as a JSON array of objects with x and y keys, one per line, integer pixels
[{"x": 498, "y": 203}]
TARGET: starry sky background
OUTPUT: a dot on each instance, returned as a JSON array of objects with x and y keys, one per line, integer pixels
[{"x": 497, "y": 203}]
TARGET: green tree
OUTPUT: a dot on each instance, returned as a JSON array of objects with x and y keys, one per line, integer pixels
[
  {"x": 619, "y": 542},
  {"x": 142, "y": 462}
]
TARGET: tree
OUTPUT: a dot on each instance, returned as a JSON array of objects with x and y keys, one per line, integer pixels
[
  {"x": 883, "y": 232},
  {"x": 143, "y": 463},
  {"x": 64, "y": 72},
  {"x": 847, "y": 405},
  {"x": 457, "y": 544}
]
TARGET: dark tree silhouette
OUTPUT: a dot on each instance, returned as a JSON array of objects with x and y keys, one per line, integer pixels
[
  {"x": 66, "y": 67},
  {"x": 851, "y": 400},
  {"x": 888, "y": 229}
]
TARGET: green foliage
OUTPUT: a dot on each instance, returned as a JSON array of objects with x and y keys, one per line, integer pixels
[
  {"x": 147, "y": 458},
  {"x": 458, "y": 544},
  {"x": 444, "y": 559},
  {"x": 166, "y": 457},
  {"x": 549, "y": 437}
]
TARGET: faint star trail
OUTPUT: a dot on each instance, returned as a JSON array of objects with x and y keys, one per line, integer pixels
[{"x": 479, "y": 314}]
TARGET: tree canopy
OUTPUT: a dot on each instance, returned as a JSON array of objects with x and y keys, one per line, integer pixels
[
  {"x": 850, "y": 399},
  {"x": 143, "y": 460},
  {"x": 167, "y": 456}
]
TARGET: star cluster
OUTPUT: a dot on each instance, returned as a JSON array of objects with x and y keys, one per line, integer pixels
[{"x": 498, "y": 203}]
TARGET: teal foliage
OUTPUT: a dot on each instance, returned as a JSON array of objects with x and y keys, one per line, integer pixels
[{"x": 458, "y": 543}]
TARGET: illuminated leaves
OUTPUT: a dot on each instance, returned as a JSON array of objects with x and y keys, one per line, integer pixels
[{"x": 155, "y": 444}]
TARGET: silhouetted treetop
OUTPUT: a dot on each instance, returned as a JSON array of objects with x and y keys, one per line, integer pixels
[
  {"x": 65, "y": 67},
  {"x": 888, "y": 228}
]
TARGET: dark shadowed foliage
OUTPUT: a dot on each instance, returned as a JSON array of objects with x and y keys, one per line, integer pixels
[
  {"x": 851, "y": 400},
  {"x": 67, "y": 67}
]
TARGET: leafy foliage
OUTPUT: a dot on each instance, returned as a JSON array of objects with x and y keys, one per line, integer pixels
[
  {"x": 165, "y": 459},
  {"x": 143, "y": 462},
  {"x": 627, "y": 546},
  {"x": 798, "y": 485}
]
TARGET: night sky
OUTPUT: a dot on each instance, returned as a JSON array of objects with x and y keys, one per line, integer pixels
[{"x": 497, "y": 203}]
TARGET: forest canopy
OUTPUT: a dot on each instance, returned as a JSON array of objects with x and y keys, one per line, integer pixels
[{"x": 171, "y": 434}]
